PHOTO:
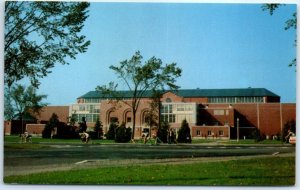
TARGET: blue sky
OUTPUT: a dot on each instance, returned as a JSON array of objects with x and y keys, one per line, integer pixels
[{"x": 216, "y": 45}]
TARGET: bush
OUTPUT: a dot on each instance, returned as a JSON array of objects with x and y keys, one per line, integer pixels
[
  {"x": 110, "y": 135},
  {"x": 257, "y": 136},
  {"x": 65, "y": 132},
  {"x": 290, "y": 125},
  {"x": 49, "y": 127},
  {"x": 184, "y": 133},
  {"x": 47, "y": 131},
  {"x": 123, "y": 134},
  {"x": 162, "y": 132},
  {"x": 98, "y": 129},
  {"x": 82, "y": 125}
]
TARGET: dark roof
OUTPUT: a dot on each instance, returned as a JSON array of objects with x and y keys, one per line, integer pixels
[{"x": 250, "y": 92}]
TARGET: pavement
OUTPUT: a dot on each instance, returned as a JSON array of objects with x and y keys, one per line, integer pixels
[{"x": 56, "y": 156}]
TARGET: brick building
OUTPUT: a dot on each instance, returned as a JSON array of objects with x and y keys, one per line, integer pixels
[
  {"x": 211, "y": 113},
  {"x": 36, "y": 127}
]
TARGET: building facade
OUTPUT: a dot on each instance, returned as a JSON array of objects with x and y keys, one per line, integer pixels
[{"x": 211, "y": 113}]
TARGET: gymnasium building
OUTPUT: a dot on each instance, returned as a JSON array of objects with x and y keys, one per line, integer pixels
[{"x": 211, "y": 113}]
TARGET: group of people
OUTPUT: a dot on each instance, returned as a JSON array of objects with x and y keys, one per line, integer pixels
[
  {"x": 289, "y": 135},
  {"x": 26, "y": 137},
  {"x": 85, "y": 137},
  {"x": 171, "y": 138}
]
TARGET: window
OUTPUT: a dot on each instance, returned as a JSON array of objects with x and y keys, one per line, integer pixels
[
  {"x": 164, "y": 108},
  {"x": 128, "y": 120},
  {"x": 81, "y": 107},
  {"x": 89, "y": 118},
  {"x": 95, "y": 117},
  {"x": 168, "y": 100},
  {"x": 218, "y": 112},
  {"x": 230, "y": 99},
  {"x": 170, "y": 108},
  {"x": 113, "y": 120},
  {"x": 180, "y": 107},
  {"x": 221, "y": 133},
  {"x": 198, "y": 132},
  {"x": 209, "y": 132},
  {"x": 172, "y": 118}
]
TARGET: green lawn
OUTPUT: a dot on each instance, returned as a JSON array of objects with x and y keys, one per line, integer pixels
[
  {"x": 16, "y": 139},
  {"x": 260, "y": 171},
  {"x": 104, "y": 141}
]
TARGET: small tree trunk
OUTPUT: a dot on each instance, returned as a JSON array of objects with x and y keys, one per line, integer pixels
[
  {"x": 133, "y": 124},
  {"x": 22, "y": 129}
]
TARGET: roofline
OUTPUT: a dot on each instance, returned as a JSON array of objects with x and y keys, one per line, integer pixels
[{"x": 177, "y": 92}]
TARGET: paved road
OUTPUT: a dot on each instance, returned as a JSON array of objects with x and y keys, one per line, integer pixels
[{"x": 61, "y": 154}]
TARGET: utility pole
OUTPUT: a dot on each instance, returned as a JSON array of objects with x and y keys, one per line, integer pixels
[{"x": 237, "y": 130}]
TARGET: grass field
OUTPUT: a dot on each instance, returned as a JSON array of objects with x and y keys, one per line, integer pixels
[
  {"x": 256, "y": 171},
  {"x": 16, "y": 139}
]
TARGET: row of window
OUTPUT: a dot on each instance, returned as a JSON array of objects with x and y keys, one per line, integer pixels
[
  {"x": 90, "y": 108},
  {"x": 171, "y": 108},
  {"x": 88, "y": 117},
  {"x": 92, "y": 100},
  {"x": 221, "y": 112},
  {"x": 177, "y": 118},
  {"x": 245, "y": 99},
  {"x": 209, "y": 133},
  {"x": 169, "y": 118}
]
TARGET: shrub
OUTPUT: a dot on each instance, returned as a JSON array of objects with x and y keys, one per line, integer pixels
[
  {"x": 65, "y": 132},
  {"x": 98, "y": 129},
  {"x": 162, "y": 132},
  {"x": 123, "y": 134},
  {"x": 184, "y": 133},
  {"x": 256, "y": 135},
  {"x": 47, "y": 131},
  {"x": 49, "y": 127},
  {"x": 110, "y": 135},
  {"x": 82, "y": 125},
  {"x": 290, "y": 125}
]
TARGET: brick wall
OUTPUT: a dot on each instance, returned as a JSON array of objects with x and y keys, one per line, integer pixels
[
  {"x": 7, "y": 127},
  {"x": 35, "y": 129},
  {"x": 216, "y": 132},
  {"x": 61, "y": 111},
  {"x": 123, "y": 112}
]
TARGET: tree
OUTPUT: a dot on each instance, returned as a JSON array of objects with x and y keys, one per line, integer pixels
[
  {"x": 111, "y": 133},
  {"x": 162, "y": 132},
  {"x": 98, "y": 128},
  {"x": 72, "y": 120},
  {"x": 290, "y": 125},
  {"x": 82, "y": 125},
  {"x": 9, "y": 111},
  {"x": 139, "y": 78},
  {"x": 24, "y": 101},
  {"x": 184, "y": 133},
  {"x": 123, "y": 134},
  {"x": 291, "y": 23},
  {"x": 50, "y": 126},
  {"x": 152, "y": 117},
  {"x": 256, "y": 135},
  {"x": 39, "y": 34}
]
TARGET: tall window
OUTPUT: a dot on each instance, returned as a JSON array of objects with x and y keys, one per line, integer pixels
[
  {"x": 90, "y": 111},
  {"x": 209, "y": 132},
  {"x": 221, "y": 133},
  {"x": 167, "y": 113},
  {"x": 237, "y": 99},
  {"x": 168, "y": 100}
]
